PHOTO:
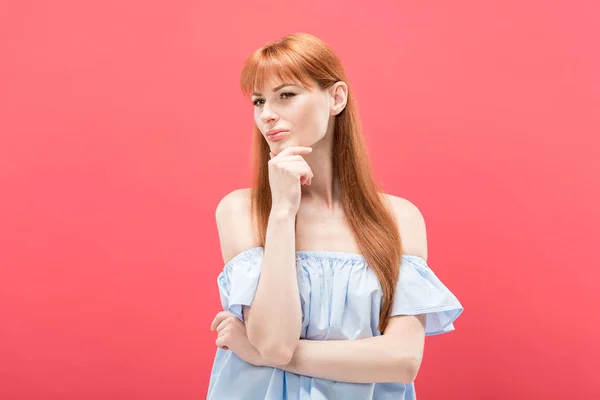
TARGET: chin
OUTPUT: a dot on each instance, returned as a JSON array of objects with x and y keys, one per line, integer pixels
[{"x": 282, "y": 144}]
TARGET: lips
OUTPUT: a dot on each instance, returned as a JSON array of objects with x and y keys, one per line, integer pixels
[
  {"x": 275, "y": 131},
  {"x": 277, "y": 136}
]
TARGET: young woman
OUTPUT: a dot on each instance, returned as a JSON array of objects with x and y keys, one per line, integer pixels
[{"x": 326, "y": 290}]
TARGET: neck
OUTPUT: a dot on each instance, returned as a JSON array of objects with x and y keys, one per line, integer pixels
[{"x": 324, "y": 190}]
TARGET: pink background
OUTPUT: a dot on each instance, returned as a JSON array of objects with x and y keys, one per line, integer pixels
[{"x": 122, "y": 126}]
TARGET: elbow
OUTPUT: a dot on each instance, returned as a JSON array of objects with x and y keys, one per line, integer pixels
[
  {"x": 408, "y": 369},
  {"x": 274, "y": 352},
  {"x": 277, "y": 356}
]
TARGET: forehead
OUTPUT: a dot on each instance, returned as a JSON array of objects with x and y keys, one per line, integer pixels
[{"x": 273, "y": 83}]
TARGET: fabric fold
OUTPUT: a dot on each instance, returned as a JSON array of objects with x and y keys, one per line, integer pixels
[
  {"x": 420, "y": 291},
  {"x": 239, "y": 279}
]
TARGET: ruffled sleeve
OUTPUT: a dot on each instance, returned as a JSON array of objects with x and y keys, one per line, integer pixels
[
  {"x": 239, "y": 279},
  {"x": 420, "y": 291}
]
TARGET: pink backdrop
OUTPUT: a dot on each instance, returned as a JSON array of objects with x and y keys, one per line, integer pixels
[{"x": 122, "y": 125}]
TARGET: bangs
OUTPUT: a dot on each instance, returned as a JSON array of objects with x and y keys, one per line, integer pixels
[{"x": 269, "y": 65}]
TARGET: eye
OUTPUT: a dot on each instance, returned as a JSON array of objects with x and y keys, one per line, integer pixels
[{"x": 256, "y": 102}]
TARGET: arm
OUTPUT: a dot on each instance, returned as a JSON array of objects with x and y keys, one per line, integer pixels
[
  {"x": 275, "y": 318},
  {"x": 394, "y": 356},
  {"x": 273, "y": 322}
]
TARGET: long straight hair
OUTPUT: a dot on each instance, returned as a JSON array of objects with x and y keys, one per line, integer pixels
[{"x": 305, "y": 58}]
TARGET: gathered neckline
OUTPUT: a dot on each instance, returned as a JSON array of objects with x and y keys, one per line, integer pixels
[{"x": 320, "y": 254}]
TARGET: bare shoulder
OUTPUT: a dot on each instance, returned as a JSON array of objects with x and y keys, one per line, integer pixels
[
  {"x": 411, "y": 226},
  {"x": 237, "y": 199},
  {"x": 234, "y": 223}
]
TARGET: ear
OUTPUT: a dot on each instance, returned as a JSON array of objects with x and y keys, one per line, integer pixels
[{"x": 339, "y": 97}]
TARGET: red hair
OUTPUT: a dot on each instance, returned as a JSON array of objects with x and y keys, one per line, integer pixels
[{"x": 307, "y": 59}]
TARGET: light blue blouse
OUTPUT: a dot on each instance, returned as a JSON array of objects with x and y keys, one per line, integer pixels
[{"x": 340, "y": 299}]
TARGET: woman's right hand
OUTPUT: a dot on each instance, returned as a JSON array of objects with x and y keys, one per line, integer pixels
[{"x": 287, "y": 172}]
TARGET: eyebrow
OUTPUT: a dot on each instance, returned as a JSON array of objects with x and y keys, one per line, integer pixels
[{"x": 275, "y": 89}]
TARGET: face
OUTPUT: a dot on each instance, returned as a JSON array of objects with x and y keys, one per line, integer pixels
[{"x": 303, "y": 113}]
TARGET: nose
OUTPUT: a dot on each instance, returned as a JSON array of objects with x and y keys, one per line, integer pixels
[{"x": 267, "y": 114}]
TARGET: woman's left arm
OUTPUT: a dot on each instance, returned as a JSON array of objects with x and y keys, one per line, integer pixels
[{"x": 394, "y": 356}]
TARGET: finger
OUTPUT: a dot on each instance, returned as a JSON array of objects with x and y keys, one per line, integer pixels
[
  {"x": 294, "y": 165},
  {"x": 295, "y": 150},
  {"x": 302, "y": 171},
  {"x": 283, "y": 159},
  {"x": 298, "y": 165},
  {"x": 223, "y": 324},
  {"x": 222, "y": 343},
  {"x": 220, "y": 317},
  {"x": 216, "y": 322}
]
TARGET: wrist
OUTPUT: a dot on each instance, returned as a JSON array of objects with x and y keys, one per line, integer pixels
[{"x": 281, "y": 211}]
